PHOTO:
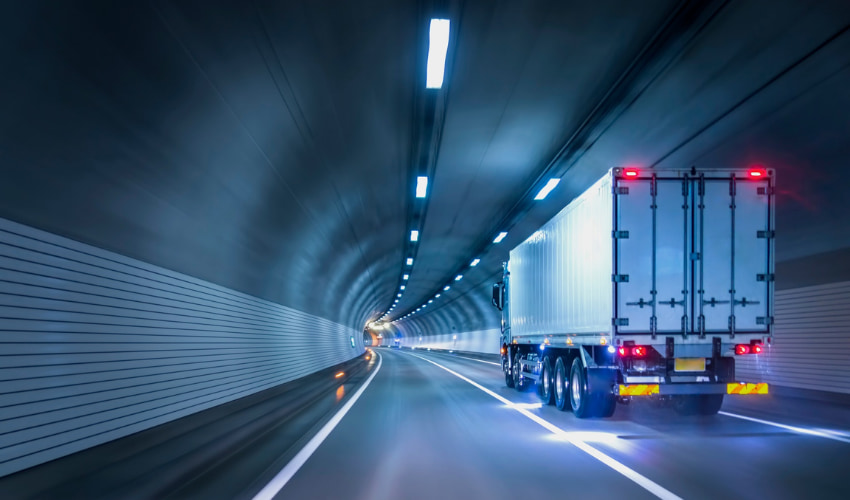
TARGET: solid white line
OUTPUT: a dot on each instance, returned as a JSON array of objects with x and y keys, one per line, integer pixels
[
  {"x": 800, "y": 430},
  {"x": 481, "y": 361},
  {"x": 631, "y": 474},
  {"x": 279, "y": 481}
]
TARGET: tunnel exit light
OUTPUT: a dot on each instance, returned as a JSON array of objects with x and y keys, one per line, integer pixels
[
  {"x": 414, "y": 235},
  {"x": 500, "y": 237},
  {"x": 421, "y": 186},
  {"x": 544, "y": 192},
  {"x": 437, "y": 48}
]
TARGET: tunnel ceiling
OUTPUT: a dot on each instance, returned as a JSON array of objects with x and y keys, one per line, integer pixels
[{"x": 273, "y": 147}]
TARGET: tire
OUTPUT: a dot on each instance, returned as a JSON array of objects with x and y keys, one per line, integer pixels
[
  {"x": 560, "y": 388},
  {"x": 606, "y": 405},
  {"x": 509, "y": 378},
  {"x": 698, "y": 404},
  {"x": 544, "y": 385},
  {"x": 520, "y": 383},
  {"x": 580, "y": 400}
]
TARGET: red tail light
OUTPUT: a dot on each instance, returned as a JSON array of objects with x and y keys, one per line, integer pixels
[
  {"x": 755, "y": 349},
  {"x": 639, "y": 351},
  {"x": 742, "y": 349},
  {"x": 631, "y": 173},
  {"x": 622, "y": 351}
]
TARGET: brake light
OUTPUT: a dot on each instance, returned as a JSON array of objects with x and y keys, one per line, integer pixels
[
  {"x": 639, "y": 351},
  {"x": 742, "y": 349},
  {"x": 757, "y": 173},
  {"x": 622, "y": 351},
  {"x": 631, "y": 172},
  {"x": 756, "y": 349}
]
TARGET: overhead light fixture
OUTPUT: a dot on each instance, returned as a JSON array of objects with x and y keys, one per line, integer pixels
[
  {"x": 405, "y": 277},
  {"x": 458, "y": 277},
  {"x": 446, "y": 288},
  {"x": 437, "y": 48},
  {"x": 500, "y": 237},
  {"x": 474, "y": 262},
  {"x": 544, "y": 192},
  {"x": 421, "y": 186},
  {"x": 399, "y": 295},
  {"x": 401, "y": 287},
  {"x": 410, "y": 261},
  {"x": 414, "y": 235},
  {"x": 432, "y": 300},
  {"x": 437, "y": 296}
]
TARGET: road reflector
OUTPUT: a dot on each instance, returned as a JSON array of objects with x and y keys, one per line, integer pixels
[
  {"x": 746, "y": 388},
  {"x": 638, "y": 389}
]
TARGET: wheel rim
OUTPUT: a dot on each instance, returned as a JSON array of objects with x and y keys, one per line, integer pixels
[
  {"x": 559, "y": 384},
  {"x": 516, "y": 371},
  {"x": 547, "y": 382},
  {"x": 575, "y": 388}
]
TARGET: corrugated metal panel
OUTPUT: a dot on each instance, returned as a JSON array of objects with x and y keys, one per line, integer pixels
[
  {"x": 561, "y": 276},
  {"x": 811, "y": 348},
  {"x": 95, "y": 346}
]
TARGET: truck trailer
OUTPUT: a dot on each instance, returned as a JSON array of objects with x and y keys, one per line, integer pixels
[{"x": 649, "y": 284}]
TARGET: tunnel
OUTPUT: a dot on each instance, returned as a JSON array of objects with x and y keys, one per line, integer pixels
[{"x": 248, "y": 248}]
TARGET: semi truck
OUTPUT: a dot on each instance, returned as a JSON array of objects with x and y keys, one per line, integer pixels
[{"x": 649, "y": 284}]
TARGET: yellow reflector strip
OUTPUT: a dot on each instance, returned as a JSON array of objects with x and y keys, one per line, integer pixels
[
  {"x": 746, "y": 388},
  {"x": 638, "y": 390}
]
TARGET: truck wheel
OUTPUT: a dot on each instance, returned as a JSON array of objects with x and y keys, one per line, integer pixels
[
  {"x": 520, "y": 383},
  {"x": 560, "y": 385},
  {"x": 509, "y": 377},
  {"x": 698, "y": 404},
  {"x": 579, "y": 397},
  {"x": 545, "y": 383}
]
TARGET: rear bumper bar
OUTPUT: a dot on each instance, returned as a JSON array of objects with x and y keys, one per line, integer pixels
[{"x": 695, "y": 388}]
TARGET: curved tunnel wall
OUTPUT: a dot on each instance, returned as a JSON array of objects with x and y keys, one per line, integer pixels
[{"x": 97, "y": 346}]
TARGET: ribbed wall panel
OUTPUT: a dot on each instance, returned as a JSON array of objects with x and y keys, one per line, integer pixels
[
  {"x": 811, "y": 348},
  {"x": 95, "y": 346},
  {"x": 486, "y": 341}
]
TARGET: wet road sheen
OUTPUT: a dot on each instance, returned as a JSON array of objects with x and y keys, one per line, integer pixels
[{"x": 433, "y": 425}]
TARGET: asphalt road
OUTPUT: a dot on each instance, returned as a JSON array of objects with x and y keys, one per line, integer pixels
[{"x": 419, "y": 431}]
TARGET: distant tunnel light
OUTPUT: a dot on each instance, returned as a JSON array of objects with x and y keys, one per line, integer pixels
[
  {"x": 474, "y": 262},
  {"x": 500, "y": 237},
  {"x": 437, "y": 48},
  {"x": 409, "y": 261},
  {"x": 421, "y": 186},
  {"x": 414, "y": 235},
  {"x": 458, "y": 277},
  {"x": 544, "y": 192}
]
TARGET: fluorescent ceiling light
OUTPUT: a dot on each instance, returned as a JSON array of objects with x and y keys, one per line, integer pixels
[
  {"x": 399, "y": 295},
  {"x": 401, "y": 287},
  {"x": 437, "y": 296},
  {"x": 421, "y": 186},
  {"x": 405, "y": 277},
  {"x": 474, "y": 262},
  {"x": 414, "y": 235},
  {"x": 446, "y": 288},
  {"x": 543, "y": 193},
  {"x": 410, "y": 261},
  {"x": 458, "y": 277},
  {"x": 500, "y": 237},
  {"x": 432, "y": 300},
  {"x": 438, "y": 45}
]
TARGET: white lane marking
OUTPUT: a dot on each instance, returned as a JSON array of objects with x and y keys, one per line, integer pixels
[
  {"x": 800, "y": 430},
  {"x": 481, "y": 361},
  {"x": 279, "y": 481},
  {"x": 631, "y": 474}
]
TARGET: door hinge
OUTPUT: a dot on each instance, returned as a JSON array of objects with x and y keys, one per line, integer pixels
[
  {"x": 623, "y": 235},
  {"x": 620, "y": 321},
  {"x": 766, "y": 234},
  {"x": 764, "y": 320},
  {"x": 620, "y": 278},
  {"x": 765, "y": 277}
]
